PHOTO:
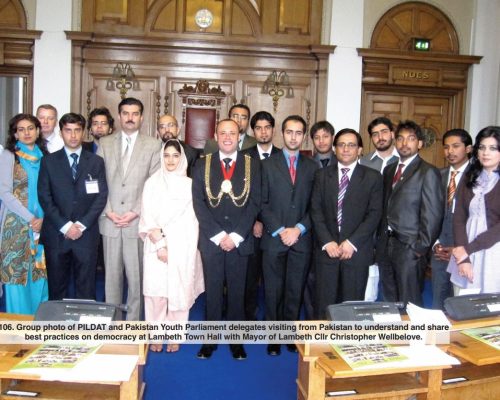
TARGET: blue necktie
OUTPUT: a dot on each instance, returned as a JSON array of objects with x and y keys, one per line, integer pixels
[{"x": 74, "y": 156}]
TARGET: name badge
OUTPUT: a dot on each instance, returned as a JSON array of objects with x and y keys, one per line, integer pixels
[{"x": 92, "y": 185}]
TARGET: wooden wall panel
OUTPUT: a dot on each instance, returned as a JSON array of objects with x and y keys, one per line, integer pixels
[{"x": 12, "y": 15}]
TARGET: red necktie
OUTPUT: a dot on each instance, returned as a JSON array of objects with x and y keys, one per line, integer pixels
[
  {"x": 399, "y": 172},
  {"x": 292, "y": 168}
]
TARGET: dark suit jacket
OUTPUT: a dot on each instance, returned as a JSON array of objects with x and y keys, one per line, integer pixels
[
  {"x": 414, "y": 208},
  {"x": 89, "y": 146},
  {"x": 333, "y": 160},
  {"x": 63, "y": 199},
  {"x": 226, "y": 217},
  {"x": 254, "y": 153},
  {"x": 361, "y": 210},
  {"x": 285, "y": 204},
  {"x": 192, "y": 155}
]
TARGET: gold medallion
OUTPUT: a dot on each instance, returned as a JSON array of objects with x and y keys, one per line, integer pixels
[{"x": 226, "y": 186}]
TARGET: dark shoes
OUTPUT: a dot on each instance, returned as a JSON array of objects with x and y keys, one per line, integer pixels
[
  {"x": 274, "y": 349},
  {"x": 291, "y": 348},
  {"x": 206, "y": 351},
  {"x": 238, "y": 351}
]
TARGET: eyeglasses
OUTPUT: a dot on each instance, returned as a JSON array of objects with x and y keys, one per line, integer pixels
[
  {"x": 350, "y": 146},
  {"x": 482, "y": 147},
  {"x": 169, "y": 125},
  {"x": 100, "y": 123},
  {"x": 239, "y": 116}
]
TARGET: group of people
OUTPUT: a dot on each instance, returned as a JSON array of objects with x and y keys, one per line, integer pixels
[{"x": 175, "y": 221}]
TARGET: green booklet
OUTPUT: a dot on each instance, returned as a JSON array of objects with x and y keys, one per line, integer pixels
[
  {"x": 363, "y": 355},
  {"x": 63, "y": 356},
  {"x": 489, "y": 335}
]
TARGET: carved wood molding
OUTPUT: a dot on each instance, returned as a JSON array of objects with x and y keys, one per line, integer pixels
[
  {"x": 385, "y": 67},
  {"x": 16, "y": 47}
]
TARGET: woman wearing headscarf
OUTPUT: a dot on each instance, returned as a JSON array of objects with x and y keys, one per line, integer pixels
[
  {"x": 476, "y": 221},
  {"x": 173, "y": 277},
  {"x": 22, "y": 268}
]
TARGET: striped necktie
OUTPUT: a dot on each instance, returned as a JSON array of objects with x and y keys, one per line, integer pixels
[
  {"x": 126, "y": 154},
  {"x": 74, "y": 165},
  {"x": 344, "y": 181},
  {"x": 452, "y": 188}
]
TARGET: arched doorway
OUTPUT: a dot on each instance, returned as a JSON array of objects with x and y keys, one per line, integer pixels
[{"x": 412, "y": 70}]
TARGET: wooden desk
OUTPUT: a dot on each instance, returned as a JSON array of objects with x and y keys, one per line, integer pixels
[
  {"x": 480, "y": 366},
  {"x": 133, "y": 389},
  {"x": 322, "y": 370}
]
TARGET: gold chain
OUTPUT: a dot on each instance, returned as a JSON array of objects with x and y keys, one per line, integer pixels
[{"x": 214, "y": 201}]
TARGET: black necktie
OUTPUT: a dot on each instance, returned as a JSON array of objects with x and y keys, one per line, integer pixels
[
  {"x": 325, "y": 161},
  {"x": 227, "y": 161},
  {"x": 266, "y": 155}
]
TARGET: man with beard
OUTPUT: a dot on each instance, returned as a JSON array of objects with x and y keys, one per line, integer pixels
[
  {"x": 412, "y": 216},
  {"x": 239, "y": 113},
  {"x": 381, "y": 132},
  {"x": 101, "y": 124},
  {"x": 262, "y": 125},
  {"x": 322, "y": 133},
  {"x": 168, "y": 128}
]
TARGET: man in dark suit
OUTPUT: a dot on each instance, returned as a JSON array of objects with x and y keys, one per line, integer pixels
[
  {"x": 322, "y": 134},
  {"x": 346, "y": 208},
  {"x": 381, "y": 131},
  {"x": 168, "y": 128},
  {"x": 101, "y": 123},
  {"x": 72, "y": 190},
  {"x": 413, "y": 213},
  {"x": 457, "y": 145},
  {"x": 287, "y": 180},
  {"x": 239, "y": 113},
  {"x": 226, "y": 200},
  {"x": 262, "y": 124}
]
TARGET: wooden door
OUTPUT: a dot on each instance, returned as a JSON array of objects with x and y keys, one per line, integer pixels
[{"x": 432, "y": 113}]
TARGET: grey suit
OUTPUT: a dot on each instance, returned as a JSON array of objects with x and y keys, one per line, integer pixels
[
  {"x": 376, "y": 162},
  {"x": 413, "y": 210},
  {"x": 122, "y": 246}
]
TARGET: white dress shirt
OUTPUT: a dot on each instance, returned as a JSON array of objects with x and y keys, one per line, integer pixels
[{"x": 54, "y": 142}]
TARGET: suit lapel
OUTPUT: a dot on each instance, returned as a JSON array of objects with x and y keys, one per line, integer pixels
[
  {"x": 82, "y": 164},
  {"x": 65, "y": 165},
  {"x": 118, "y": 152},
  {"x": 134, "y": 157},
  {"x": 332, "y": 190},
  {"x": 407, "y": 173},
  {"x": 280, "y": 160}
]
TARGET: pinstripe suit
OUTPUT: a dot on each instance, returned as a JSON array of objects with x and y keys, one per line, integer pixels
[{"x": 122, "y": 246}]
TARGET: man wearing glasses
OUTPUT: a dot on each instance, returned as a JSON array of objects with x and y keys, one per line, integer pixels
[
  {"x": 168, "y": 128},
  {"x": 412, "y": 217},
  {"x": 239, "y": 113},
  {"x": 101, "y": 124},
  {"x": 381, "y": 132},
  {"x": 346, "y": 207}
]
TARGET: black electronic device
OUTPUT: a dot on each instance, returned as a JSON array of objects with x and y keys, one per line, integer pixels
[
  {"x": 77, "y": 310},
  {"x": 365, "y": 311},
  {"x": 473, "y": 306}
]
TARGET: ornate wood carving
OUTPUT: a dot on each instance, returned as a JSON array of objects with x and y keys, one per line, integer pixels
[{"x": 401, "y": 24}]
